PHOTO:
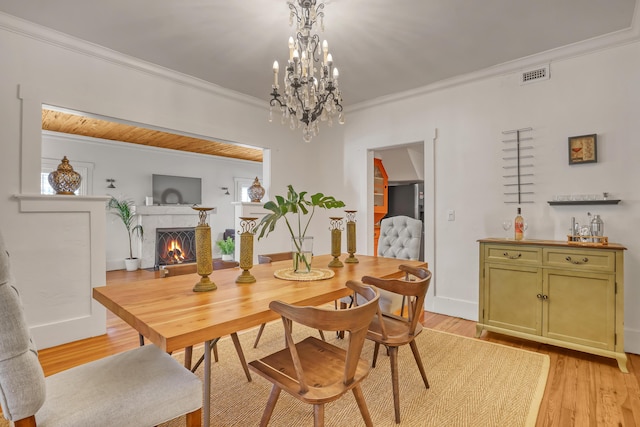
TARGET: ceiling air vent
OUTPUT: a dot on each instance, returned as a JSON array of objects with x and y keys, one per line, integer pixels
[{"x": 535, "y": 75}]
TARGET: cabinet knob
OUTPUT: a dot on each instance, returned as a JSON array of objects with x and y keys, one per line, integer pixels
[
  {"x": 583, "y": 261},
  {"x": 512, "y": 256},
  {"x": 539, "y": 296}
]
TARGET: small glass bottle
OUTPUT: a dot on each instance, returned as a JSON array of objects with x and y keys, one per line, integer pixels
[{"x": 518, "y": 226}]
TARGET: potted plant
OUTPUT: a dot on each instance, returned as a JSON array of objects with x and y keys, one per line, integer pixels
[
  {"x": 298, "y": 205},
  {"x": 227, "y": 248},
  {"x": 123, "y": 209}
]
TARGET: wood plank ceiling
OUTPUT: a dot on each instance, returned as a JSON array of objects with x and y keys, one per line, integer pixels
[{"x": 58, "y": 121}]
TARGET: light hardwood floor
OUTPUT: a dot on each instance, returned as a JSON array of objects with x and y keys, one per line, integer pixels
[{"x": 582, "y": 389}]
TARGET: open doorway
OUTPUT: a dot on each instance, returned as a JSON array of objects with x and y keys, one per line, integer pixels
[{"x": 404, "y": 166}]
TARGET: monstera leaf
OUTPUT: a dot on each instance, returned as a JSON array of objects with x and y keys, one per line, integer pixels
[{"x": 298, "y": 205}]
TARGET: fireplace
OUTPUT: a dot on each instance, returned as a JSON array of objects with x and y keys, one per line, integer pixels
[{"x": 175, "y": 245}]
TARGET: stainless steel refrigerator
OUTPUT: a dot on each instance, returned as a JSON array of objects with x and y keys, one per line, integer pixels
[{"x": 407, "y": 199}]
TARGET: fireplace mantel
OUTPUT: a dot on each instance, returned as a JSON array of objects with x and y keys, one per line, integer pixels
[{"x": 169, "y": 210}]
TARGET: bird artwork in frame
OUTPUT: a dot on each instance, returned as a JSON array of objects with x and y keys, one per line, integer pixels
[{"x": 583, "y": 149}]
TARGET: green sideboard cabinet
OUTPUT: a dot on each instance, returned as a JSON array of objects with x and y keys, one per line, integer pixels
[{"x": 556, "y": 293}]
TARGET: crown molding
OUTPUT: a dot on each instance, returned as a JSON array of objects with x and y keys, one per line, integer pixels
[
  {"x": 61, "y": 40},
  {"x": 65, "y": 41},
  {"x": 585, "y": 47}
]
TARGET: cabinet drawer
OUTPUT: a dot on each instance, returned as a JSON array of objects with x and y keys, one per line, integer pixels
[
  {"x": 581, "y": 259},
  {"x": 515, "y": 255}
]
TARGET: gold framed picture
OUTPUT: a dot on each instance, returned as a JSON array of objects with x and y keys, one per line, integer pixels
[{"x": 583, "y": 149}]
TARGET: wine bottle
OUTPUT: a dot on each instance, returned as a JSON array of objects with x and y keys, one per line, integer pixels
[{"x": 518, "y": 226}]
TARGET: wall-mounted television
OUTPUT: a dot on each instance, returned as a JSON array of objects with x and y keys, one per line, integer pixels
[{"x": 176, "y": 190}]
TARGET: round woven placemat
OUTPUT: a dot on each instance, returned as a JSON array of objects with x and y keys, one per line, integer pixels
[{"x": 314, "y": 274}]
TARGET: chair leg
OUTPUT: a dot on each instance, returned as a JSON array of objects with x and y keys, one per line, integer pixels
[
  {"x": 214, "y": 347},
  {"x": 271, "y": 403},
  {"x": 357, "y": 393},
  {"x": 393, "y": 353},
  {"x": 416, "y": 355},
  {"x": 255, "y": 344},
  {"x": 188, "y": 354},
  {"x": 26, "y": 422},
  {"x": 322, "y": 335},
  {"x": 376, "y": 348},
  {"x": 318, "y": 415},
  {"x": 194, "y": 419},
  {"x": 236, "y": 343}
]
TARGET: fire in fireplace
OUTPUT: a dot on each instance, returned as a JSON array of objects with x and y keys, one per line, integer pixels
[{"x": 175, "y": 245}]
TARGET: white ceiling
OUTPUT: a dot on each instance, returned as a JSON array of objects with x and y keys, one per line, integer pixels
[{"x": 381, "y": 47}]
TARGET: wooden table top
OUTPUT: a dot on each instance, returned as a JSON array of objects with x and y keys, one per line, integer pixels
[{"x": 168, "y": 313}]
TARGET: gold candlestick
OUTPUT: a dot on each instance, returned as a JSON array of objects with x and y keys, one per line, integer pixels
[
  {"x": 351, "y": 237},
  {"x": 336, "y": 241},
  {"x": 247, "y": 226},
  {"x": 203, "y": 252}
]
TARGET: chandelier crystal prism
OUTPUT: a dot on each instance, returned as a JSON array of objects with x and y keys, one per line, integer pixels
[{"x": 311, "y": 91}]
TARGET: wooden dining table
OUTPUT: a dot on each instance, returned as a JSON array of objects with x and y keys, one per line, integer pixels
[{"x": 167, "y": 311}]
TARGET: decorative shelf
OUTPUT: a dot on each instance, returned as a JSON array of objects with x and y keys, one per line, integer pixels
[{"x": 584, "y": 202}]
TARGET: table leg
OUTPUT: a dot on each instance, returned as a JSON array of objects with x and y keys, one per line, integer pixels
[{"x": 206, "y": 405}]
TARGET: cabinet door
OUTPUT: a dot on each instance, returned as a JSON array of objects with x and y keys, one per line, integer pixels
[
  {"x": 510, "y": 299},
  {"x": 580, "y": 307}
]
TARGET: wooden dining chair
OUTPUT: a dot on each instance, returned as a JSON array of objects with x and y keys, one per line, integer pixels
[
  {"x": 400, "y": 238},
  {"x": 394, "y": 331},
  {"x": 313, "y": 370},
  {"x": 140, "y": 387},
  {"x": 267, "y": 259},
  {"x": 188, "y": 351}
]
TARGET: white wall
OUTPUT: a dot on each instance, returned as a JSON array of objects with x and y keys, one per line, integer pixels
[
  {"x": 596, "y": 93},
  {"x": 132, "y": 166},
  {"x": 42, "y": 67}
]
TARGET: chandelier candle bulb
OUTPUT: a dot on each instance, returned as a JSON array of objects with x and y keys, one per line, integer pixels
[
  {"x": 290, "y": 48},
  {"x": 325, "y": 50},
  {"x": 276, "y": 68}
]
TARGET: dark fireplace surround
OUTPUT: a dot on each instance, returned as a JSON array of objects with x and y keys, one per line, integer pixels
[{"x": 175, "y": 245}]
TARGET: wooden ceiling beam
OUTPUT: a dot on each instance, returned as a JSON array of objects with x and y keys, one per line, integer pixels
[{"x": 58, "y": 121}]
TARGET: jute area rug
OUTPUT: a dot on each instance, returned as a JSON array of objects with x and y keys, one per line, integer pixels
[{"x": 472, "y": 383}]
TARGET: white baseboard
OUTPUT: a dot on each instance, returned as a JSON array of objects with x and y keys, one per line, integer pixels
[
  {"x": 451, "y": 307},
  {"x": 632, "y": 341}
]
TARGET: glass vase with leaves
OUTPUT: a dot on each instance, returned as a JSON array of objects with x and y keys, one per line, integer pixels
[{"x": 302, "y": 210}]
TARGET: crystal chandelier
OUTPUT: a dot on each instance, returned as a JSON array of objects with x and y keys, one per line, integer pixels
[{"x": 311, "y": 91}]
